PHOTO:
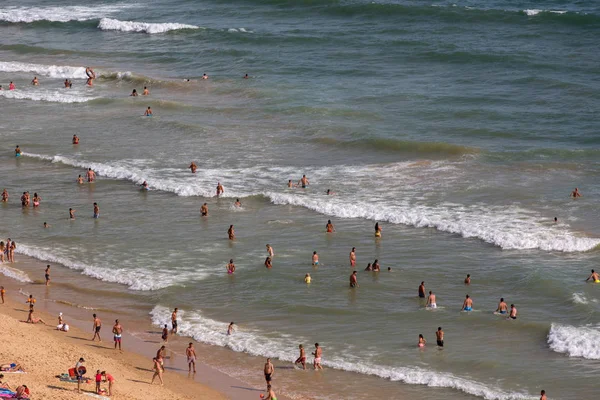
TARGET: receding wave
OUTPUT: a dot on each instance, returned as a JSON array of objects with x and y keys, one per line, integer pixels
[
  {"x": 15, "y": 273},
  {"x": 575, "y": 341},
  {"x": 53, "y": 96},
  {"x": 405, "y": 146},
  {"x": 109, "y": 24},
  {"x": 59, "y": 13},
  {"x": 254, "y": 342}
]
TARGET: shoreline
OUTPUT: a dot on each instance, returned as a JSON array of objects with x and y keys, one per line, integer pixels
[{"x": 139, "y": 346}]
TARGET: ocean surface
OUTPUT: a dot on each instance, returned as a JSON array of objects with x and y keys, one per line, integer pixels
[{"x": 460, "y": 126}]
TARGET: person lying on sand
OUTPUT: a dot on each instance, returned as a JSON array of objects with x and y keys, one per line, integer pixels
[
  {"x": 13, "y": 367},
  {"x": 32, "y": 320}
]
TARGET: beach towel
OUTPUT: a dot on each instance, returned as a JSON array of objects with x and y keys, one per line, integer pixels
[{"x": 96, "y": 396}]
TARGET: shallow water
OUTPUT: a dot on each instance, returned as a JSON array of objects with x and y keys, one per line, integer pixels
[{"x": 461, "y": 129}]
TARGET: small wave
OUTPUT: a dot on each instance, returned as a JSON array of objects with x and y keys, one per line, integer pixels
[
  {"x": 62, "y": 96},
  {"x": 243, "y": 30},
  {"x": 14, "y": 273},
  {"x": 580, "y": 298},
  {"x": 532, "y": 12},
  {"x": 393, "y": 145},
  {"x": 254, "y": 342},
  {"x": 575, "y": 341},
  {"x": 59, "y": 13},
  {"x": 70, "y": 304},
  {"x": 135, "y": 279},
  {"x": 109, "y": 24},
  {"x": 52, "y": 71}
]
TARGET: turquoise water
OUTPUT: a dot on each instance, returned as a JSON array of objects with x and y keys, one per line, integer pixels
[{"x": 460, "y": 128}]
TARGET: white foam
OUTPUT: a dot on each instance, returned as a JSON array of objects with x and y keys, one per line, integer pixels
[
  {"x": 52, "y": 71},
  {"x": 54, "y": 96},
  {"x": 134, "y": 278},
  {"x": 285, "y": 348},
  {"x": 109, "y": 24},
  {"x": 532, "y": 12},
  {"x": 59, "y": 13},
  {"x": 14, "y": 273},
  {"x": 580, "y": 298},
  {"x": 575, "y": 341}
]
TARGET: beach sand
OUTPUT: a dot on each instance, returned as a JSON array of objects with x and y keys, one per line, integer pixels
[{"x": 45, "y": 352}]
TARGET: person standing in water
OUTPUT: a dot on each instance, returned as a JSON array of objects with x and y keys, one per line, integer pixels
[
  {"x": 96, "y": 211},
  {"x": 513, "y": 312},
  {"x": 303, "y": 182},
  {"x": 231, "y": 328},
  {"x": 230, "y": 267},
  {"x": 174, "y": 322},
  {"x": 91, "y": 175},
  {"x": 467, "y": 304},
  {"x": 329, "y": 227},
  {"x": 353, "y": 257},
  {"x": 269, "y": 370},
  {"x": 193, "y": 167},
  {"x": 318, "y": 355},
  {"x": 146, "y": 92},
  {"x": 75, "y": 139},
  {"x": 439, "y": 335},
  {"x": 148, "y": 112},
  {"x": 71, "y": 213},
  {"x": 422, "y": 290},
  {"x": 270, "y": 251},
  {"x": 220, "y": 189},
  {"x": 468, "y": 279},
  {"x": 543, "y": 394},
  {"x": 575, "y": 193},
  {"x": 47, "y": 275},
  {"x": 134, "y": 93},
  {"x": 35, "y": 81},
  {"x": 502, "y": 307},
  {"x": 231, "y": 232},
  {"x": 268, "y": 263},
  {"x": 5, "y": 196},
  {"x": 377, "y": 230},
  {"x": 307, "y": 278},
  {"x": 431, "y": 301},
  {"x": 315, "y": 259},
  {"x": 165, "y": 334},
  {"x": 422, "y": 341},
  {"x": 237, "y": 203},
  {"x": 353, "y": 280},
  {"x": 302, "y": 358},
  {"x": 594, "y": 277},
  {"x": 204, "y": 210},
  {"x": 290, "y": 184},
  {"x": 17, "y": 151}
]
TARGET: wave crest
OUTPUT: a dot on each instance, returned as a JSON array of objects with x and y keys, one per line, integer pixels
[
  {"x": 109, "y": 24},
  {"x": 575, "y": 341}
]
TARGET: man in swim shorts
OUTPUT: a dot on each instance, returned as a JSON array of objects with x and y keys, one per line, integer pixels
[
  {"x": 467, "y": 304},
  {"x": 191, "y": 357},
  {"x": 148, "y": 112},
  {"x": 513, "y": 312},
  {"x": 269, "y": 369},
  {"x": 439, "y": 335},
  {"x": 174, "y": 322},
  {"x": 303, "y": 182},
  {"x": 117, "y": 333},
  {"x": 302, "y": 358},
  {"x": 91, "y": 175},
  {"x": 353, "y": 257},
  {"x": 353, "y": 280},
  {"x": 96, "y": 211},
  {"x": 502, "y": 307},
  {"x": 315, "y": 259},
  {"x": 431, "y": 301},
  {"x": 422, "y": 290},
  {"x": 96, "y": 328},
  {"x": 593, "y": 277},
  {"x": 318, "y": 354}
]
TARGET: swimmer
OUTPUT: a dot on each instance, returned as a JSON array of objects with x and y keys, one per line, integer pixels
[
  {"x": 439, "y": 335},
  {"x": 75, "y": 139},
  {"x": 315, "y": 259},
  {"x": 543, "y": 394},
  {"x": 307, "y": 278},
  {"x": 237, "y": 203},
  {"x": 555, "y": 220},
  {"x": 46, "y": 225},
  {"x": 377, "y": 230},
  {"x": 220, "y": 189},
  {"x": 230, "y": 267},
  {"x": 91, "y": 175},
  {"x": 303, "y": 182},
  {"x": 146, "y": 92},
  {"x": 502, "y": 307},
  {"x": 329, "y": 192},
  {"x": 369, "y": 267},
  {"x": 268, "y": 263},
  {"x": 431, "y": 301},
  {"x": 575, "y": 193},
  {"x": 467, "y": 304},
  {"x": 35, "y": 81},
  {"x": 67, "y": 83},
  {"x": 148, "y": 112},
  {"x": 11, "y": 86},
  {"x": 513, "y": 312},
  {"x": 231, "y": 232},
  {"x": 270, "y": 251},
  {"x": 389, "y": 269},
  {"x": 422, "y": 341},
  {"x": 246, "y": 76},
  {"x": 96, "y": 211},
  {"x": 376, "y": 267},
  {"x": 91, "y": 76},
  {"x": 204, "y": 76},
  {"x": 193, "y": 167},
  {"x": 422, "y": 290},
  {"x": 353, "y": 280},
  {"x": 80, "y": 180},
  {"x": 5, "y": 196},
  {"x": 329, "y": 227},
  {"x": 231, "y": 328},
  {"x": 17, "y": 151},
  {"x": 71, "y": 213},
  {"x": 594, "y": 277},
  {"x": 302, "y": 358},
  {"x": 144, "y": 186},
  {"x": 353, "y": 257},
  {"x": 468, "y": 279},
  {"x": 290, "y": 184},
  {"x": 204, "y": 211},
  {"x": 134, "y": 93},
  {"x": 318, "y": 354}
]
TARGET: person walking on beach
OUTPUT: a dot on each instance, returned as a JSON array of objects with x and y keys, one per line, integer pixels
[
  {"x": 594, "y": 277},
  {"x": 96, "y": 328},
  {"x": 191, "y": 357},
  {"x": 302, "y": 358},
  {"x": 47, "y": 275},
  {"x": 269, "y": 370},
  {"x": 467, "y": 304},
  {"x": 96, "y": 211},
  {"x": 204, "y": 210},
  {"x": 158, "y": 372},
  {"x": 353, "y": 280},
  {"x": 117, "y": 332},
  {"x": 439, "y": 335},
  {"x": 353, "y": 257},
  {"x": 502, "y": 307},
  {"x": 220, "y": 189},
  {"x": 303, "y": 182},
  {"x": 165, "y": 334},
  {"x": 318, "y": 353},
  {"x": 31, "y": 302},
  {"x": 2, "y": 251},
  {"x": 422, "y": 290},
  {"x": 231, "y": 232},
  {"x": 91, "y": 175},
  {"x": 174, "y": 322},
  {"x": 160, "y": 356},
  {"x": 11, "y": 252}
]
